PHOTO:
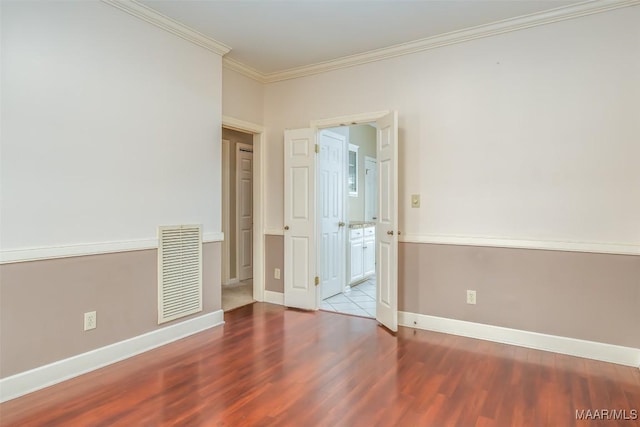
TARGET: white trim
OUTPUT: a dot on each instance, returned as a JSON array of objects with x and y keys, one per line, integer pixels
[
  {"x": 574, "y": 347},
  {"x": 231, "y": 281},
  {"x": 259, "y": 141},
  {"x": 243, "y": 69},
  {"x": 274, "y": 232},
  {"x": 67, "y": 251},
  {"x": 353, "y": 119},
  {"x": 153, "y": 17},
  {"x": 62, "y": 370},
  {"x": 550, "y": 245},
  {"x": 274, "y": 297},
  {"x": 217, "y": 236},
  {"x": 241, "y": 125},
  {"x": 454, "y": 37},
  {"x": 226, "y": 207}
]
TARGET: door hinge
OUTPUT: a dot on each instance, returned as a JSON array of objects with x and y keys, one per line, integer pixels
[
  {"x": 317, "y": 281},
  {"x": 317, "y": 148}
]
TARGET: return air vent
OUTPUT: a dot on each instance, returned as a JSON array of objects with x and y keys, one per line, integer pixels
[{"x": 179, "y": 271}]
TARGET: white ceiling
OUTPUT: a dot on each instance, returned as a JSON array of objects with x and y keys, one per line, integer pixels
[{"x": 274, "y": 36}]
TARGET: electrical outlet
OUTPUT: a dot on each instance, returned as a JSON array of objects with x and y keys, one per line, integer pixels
[
  {"x": 415, "y": 200},
  {"x": 276, "y": 273},
  {"x": 90, "y": 320},
  {"x": 471, "y": 297}
]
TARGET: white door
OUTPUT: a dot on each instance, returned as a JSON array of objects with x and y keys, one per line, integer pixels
[
  {"x": 370, "y": 188},
  {"x": 387, "y": 222},
  {"x": 299, "y": 219},
  {"x": 331, "y": 185},
  {"x": 244, "y": 211}
]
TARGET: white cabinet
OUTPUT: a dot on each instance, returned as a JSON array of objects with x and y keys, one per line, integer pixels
[
  {"x": 369, "y": 251},
  {"x": 357, "y": 264},
  {"x": 362, "y": 253}
]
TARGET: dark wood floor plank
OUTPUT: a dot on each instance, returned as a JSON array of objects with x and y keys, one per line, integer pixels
[{"x": 268, "y": 366}]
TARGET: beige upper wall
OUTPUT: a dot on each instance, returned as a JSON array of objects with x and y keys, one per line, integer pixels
[
  {"x": 242, "y": 97},
  {"x": 530, "y": 134},
  {"x": 106, "y": 133}
]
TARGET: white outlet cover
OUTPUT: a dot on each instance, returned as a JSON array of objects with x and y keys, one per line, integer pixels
[
  {"x": 90, "y": 320},
  {"x": 471, "y": 297}
]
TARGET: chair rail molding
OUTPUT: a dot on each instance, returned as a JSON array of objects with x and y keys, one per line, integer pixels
[{"x": 505, "y": 242}]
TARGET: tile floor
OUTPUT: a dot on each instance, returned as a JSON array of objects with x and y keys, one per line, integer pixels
[{"x": 360, "y": 300}]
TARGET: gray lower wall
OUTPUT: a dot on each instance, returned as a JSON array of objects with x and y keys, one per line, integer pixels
[
  {"x": 588, "y": 296},
  {"x": 274, "y": 258},
  {"x": 594, "y": 297},
  {"x": 42, "y": 304}
]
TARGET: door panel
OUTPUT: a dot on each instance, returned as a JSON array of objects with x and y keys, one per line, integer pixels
[
  {"x": 299, "y": 219},
  {"x": 331, "y": 185},
  {"x": 244, "y": 210},
  {"x": 387, "y": 223}
]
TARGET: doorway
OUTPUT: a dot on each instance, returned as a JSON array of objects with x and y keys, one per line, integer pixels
[
  {"x": 237, "y": 219},
  {"x": 242, "y": 247},
  {"x": 301, "y": 229},
  {"x": 346, "y": 195}
]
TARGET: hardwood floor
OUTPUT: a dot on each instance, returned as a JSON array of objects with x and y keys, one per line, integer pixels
[{"x": 269, "y": 366}]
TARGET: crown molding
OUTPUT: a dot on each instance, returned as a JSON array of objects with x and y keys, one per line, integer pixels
[
  {"x": 243, "y": 69},
  {"x": 153, "y": 17},
  {"x": 500, "y": 27}
]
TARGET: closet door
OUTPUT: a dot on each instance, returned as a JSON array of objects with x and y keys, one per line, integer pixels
[{"x": 300, "y": 218}]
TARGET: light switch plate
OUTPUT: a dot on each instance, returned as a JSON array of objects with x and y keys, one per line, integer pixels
[{"x": 415, "y": 200}]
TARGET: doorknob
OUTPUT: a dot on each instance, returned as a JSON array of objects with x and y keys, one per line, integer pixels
[
  {"x": 390, "y": 232},
  {"x": 286, "y": 227},
  {"x": 341, "y": 224}
]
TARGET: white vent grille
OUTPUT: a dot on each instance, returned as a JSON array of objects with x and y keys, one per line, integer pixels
[{"x": 179, "y": 271}]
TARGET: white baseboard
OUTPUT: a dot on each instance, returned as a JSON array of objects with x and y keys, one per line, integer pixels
[
  {"x": 574, "y": 347},
  {"x": 274, "y": 297},
  {"x": 274, "y": 231},
  {"x": 56, "y": 372},
  {"x": 232, "y": 281}
]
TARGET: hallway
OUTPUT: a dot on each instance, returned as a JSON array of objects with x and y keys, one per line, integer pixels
[{"x": 237, "y": 295}]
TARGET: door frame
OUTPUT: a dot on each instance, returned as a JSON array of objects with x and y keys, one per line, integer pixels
[
  {"x": 259, "y": 138},
  {"x": 226, "y": 212},
  {"x": 348, "y": 120}
]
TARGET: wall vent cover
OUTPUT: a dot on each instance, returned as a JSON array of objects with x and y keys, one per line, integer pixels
[{"x": 179, "y": 271}]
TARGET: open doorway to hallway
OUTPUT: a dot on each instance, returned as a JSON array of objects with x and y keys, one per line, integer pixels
[
  {"x": 347, "y": 194},
  {"x": 237, "y": 219}
]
